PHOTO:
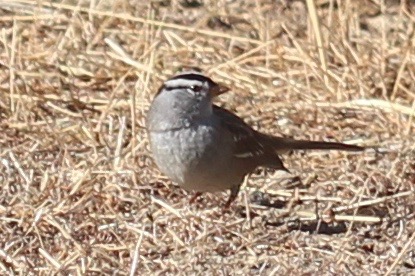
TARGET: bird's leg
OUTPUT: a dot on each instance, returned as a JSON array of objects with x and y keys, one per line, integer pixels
[
  {"x": 194, "y": 197},
  {"x": 232, "y": 196}
]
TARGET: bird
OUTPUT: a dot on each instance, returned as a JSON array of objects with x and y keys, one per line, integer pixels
[{"x": 206, "y": 148}]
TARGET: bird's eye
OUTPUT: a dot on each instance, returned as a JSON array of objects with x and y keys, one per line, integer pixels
[{"x": 196, "y": 88}]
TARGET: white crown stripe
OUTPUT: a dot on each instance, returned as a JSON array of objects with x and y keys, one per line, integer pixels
[{"x": 181, "y": 83}]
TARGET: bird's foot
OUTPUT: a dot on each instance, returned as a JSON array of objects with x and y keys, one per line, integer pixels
[
  {"x": 194, "y": 197},
  {"x": 232, "y": 196}
]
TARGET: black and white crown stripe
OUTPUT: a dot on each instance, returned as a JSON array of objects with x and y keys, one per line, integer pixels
[{"x": 186, "y": 80}]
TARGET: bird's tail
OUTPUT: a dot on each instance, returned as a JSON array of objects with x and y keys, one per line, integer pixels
[{"x": 281, "y": 145}]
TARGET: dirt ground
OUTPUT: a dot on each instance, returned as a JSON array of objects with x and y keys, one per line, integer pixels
[{"x": 80, "y": 194}]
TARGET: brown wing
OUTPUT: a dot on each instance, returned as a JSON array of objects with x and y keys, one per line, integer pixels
[{"x": 250, "y": 147}]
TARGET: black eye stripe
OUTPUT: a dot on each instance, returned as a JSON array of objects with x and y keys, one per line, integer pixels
[
  {"x": 195, "y": 88},
  {"x": 169, "y": 88}
]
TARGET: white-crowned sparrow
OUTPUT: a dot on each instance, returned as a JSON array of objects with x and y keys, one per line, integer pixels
[{"x": 206, "y": 148}]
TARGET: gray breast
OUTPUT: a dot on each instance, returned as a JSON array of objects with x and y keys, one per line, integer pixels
[{"x": 196, "y": 157}]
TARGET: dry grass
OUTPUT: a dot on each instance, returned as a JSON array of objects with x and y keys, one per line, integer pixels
[{"x": 79, "y": 193}]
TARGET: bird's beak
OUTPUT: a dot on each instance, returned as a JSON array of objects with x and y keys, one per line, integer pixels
[{"x": 219, "y": 89}]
